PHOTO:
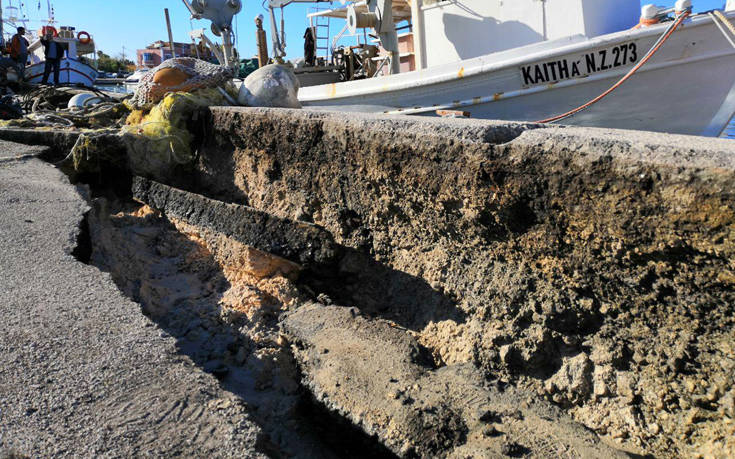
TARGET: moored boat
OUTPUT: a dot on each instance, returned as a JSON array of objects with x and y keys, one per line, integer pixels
[
  {"x": 132, "y": 81},
  {"x": 530, "y": 61},
  {"x": 73, "y": 70}
]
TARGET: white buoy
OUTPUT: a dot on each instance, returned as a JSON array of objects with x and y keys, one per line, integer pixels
[
  {"x": 649, "y": 11},
  {"x": 83, "y": 100},
  {"x": 270, "y": 86},
  {"x": 683, "y": 5}
]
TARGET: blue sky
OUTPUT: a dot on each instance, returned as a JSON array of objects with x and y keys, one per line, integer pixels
[{"x": 136, "y": 23}]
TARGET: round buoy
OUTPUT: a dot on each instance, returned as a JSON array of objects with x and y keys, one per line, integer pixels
[
  {"x": 52, "y": 29},
  {"x": 87, "y": 38},
  {"x": 170, "y": 77},
  {"x": 82, "y": 100}
]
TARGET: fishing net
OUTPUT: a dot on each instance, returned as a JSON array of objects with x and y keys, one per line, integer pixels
[
  {"x": 161, "y": 138},
  {"x": 200, "y": 75}
]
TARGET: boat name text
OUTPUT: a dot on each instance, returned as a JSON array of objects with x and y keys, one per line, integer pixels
[{"x": 582, "y": 66}]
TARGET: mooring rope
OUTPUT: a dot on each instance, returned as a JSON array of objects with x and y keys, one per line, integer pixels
[
  {"x": 725, "y": 21},
  {"x": 659, "y": 43},
  {"x": 715, "y": 15}
]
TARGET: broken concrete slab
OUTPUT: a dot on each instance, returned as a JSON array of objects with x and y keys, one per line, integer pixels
[
  {"x": 592, "y": 266},
  {"x": 379, "y": 377},
  {"x": 547, "y": 242},
  {"x": 300, "y": 242}
]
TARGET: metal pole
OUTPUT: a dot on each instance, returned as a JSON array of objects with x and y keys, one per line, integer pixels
[
  {"x": 191, "y": 10},
  {"x": 227, "y": 46},
  {"x": 419, "y": 41},
  {"x": 170, "y": 35},
  {"x": 2, "y": 35}
]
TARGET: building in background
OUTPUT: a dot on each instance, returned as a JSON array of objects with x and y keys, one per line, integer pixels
[{"x": 159, "y": 51}]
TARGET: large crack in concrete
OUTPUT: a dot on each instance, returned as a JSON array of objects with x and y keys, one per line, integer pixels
[
  {"x": 242, "y": 314},
  {"x": 431, "y": 274},
  {"x": 371, "y": 371},
  {"x": 221, "y": 301}
]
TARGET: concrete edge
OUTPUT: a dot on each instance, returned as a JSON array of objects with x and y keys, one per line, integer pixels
[
  {"x": 642, "y": 146},
  {"x": 59, "y": 142},
  {"x": 16, "y": 151}
]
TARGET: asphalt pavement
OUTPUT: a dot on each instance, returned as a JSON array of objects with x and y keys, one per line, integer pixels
[{"x": 82, "y": 371}]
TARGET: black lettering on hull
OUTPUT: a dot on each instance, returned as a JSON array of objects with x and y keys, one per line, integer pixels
[{"x": 582, "y": 65}]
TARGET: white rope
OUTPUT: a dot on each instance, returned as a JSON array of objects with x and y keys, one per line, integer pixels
[
  {"x": 725, "y": 21},
  {"x": 716, "y": 20}
]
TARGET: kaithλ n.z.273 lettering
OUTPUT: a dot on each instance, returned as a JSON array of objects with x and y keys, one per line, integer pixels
[{"x": 583, "y": 65}]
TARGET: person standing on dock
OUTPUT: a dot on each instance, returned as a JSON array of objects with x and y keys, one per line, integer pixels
[
  {"x": 19, "y": 51},
  {"x": 53, "y": 53}
]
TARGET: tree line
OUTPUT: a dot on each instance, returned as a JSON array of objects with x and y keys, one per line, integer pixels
[{"x": 106, "y": 63}]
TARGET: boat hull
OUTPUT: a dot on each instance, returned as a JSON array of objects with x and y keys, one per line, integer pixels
[
  {"x": 688, "y": 87},
  {"x": 72, "y": 72}
]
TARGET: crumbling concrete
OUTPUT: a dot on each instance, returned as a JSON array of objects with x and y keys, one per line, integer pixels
[
  {"x": 587, "y": 268},
  {"x": 376, "y": 375},
  {"x": 594, "y": 266}
]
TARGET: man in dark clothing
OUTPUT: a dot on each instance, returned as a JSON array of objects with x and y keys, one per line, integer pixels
[
  {"x": 19, "y": 51},
  {"x": 309, "y": 47},
  {"x": 53, "y": 52}
]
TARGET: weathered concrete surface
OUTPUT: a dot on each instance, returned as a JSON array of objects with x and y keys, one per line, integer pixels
[
  {"x": 82, "y": 372},
  {"x": 591, "y": 267},
  {"x": 594, "y": 266}
]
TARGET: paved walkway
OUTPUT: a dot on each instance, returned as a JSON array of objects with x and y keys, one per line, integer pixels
[{"x": 82, "y": 371}]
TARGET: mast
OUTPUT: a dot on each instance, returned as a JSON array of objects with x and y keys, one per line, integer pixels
[
  {"x": 2, "y": 32},
  {"x": 170, "y": 35}
]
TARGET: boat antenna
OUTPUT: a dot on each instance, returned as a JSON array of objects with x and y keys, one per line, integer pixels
[{"x": 50, "y": 10}]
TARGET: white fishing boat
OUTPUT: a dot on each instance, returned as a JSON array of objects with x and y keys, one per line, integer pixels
[
  {"x": 532, "y": 60},
  {"x": 79, "y": 47},
  {"x": 72, "y": 69}
]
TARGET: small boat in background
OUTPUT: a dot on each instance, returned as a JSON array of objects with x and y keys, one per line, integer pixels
[
  {"x": 132, "y": 81},
  {"x": 79, "y": 48}
]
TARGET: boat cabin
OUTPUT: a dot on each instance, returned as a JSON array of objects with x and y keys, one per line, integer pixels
[
  {"x": 455, "y": 30},
  {"x": 434, "y": 32}
]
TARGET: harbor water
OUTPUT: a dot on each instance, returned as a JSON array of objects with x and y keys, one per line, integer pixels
[
  {"x": 730, "y": 131},
  {"x": 117, "y": 88}
]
